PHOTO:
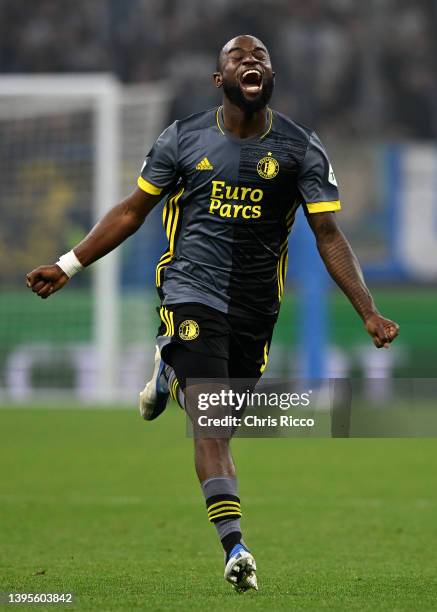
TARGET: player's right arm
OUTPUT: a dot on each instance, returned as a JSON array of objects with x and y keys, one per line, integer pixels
[
  {"x": 159, "y": 171},
  {"x": 118, "y": 224}
]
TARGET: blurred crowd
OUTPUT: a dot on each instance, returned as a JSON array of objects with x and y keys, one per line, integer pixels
[{"x": 346, "y": 67}]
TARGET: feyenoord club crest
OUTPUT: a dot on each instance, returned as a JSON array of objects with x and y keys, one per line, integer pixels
[
  {"x": 268, "y": 167},
  {"x": 188, "y": 330}
]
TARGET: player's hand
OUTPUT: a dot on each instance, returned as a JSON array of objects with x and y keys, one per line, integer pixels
[
  {"x": 46, "y": 280},
  {"x": 383, "y": 331}
]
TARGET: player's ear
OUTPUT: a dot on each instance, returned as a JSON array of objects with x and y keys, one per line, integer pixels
[{"x": 218, "y": 79}]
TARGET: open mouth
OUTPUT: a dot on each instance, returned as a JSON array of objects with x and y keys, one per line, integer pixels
[{"x": 251, "y": 81}]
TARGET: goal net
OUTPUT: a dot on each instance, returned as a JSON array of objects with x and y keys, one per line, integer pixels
[{"x": 70, "y": 146}]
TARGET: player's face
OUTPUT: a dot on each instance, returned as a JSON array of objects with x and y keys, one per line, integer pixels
[{"x": 246, "y": 73}]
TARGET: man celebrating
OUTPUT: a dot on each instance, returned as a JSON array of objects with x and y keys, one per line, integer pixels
[{"x": 233, "y": 178}]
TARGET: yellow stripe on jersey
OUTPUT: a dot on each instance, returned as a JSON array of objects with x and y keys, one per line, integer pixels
[
  {"x": 174, "y": 226},
  {"x": 266, "y": 357},
  {"x": 162, "y": 263},
  {"x": 148, "y": 187},
  {"x": 281, "y": 269},
  {"x": 170, "y": 219},
  {"x": 317, "y": 207},
  {"x": 283, "y": 264},
  {"x": 289, "y": 219},
  {"x": 289, "y": 223},
  {"x": 290, "y": 214}
]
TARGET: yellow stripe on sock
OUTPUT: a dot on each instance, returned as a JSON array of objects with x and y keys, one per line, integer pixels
[
  {"x": 230, "y": 508},
  {"x": 224, "y": 501},
  {"x": 223, "y": 514}
]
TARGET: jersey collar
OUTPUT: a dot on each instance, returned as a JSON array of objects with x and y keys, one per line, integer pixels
[{"x": 218, "y": 117}]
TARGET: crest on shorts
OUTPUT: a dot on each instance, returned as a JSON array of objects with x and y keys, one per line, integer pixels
[
  {"x": 268, "y": 167},
  {"x": 188, "y": 330}
]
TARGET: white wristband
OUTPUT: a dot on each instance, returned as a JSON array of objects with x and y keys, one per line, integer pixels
[{"x": 69, "y": 263}]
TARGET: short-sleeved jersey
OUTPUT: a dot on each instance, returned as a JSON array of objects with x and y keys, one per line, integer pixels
[{"x": 229, "y": 207}]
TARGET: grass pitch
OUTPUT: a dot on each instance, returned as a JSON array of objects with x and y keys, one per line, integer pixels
[{"x": 102, "y": 504}]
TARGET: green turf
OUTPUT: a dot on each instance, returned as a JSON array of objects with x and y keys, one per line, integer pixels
[{"x": 104, "y": 505}]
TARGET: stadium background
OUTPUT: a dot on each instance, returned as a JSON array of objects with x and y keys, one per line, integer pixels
[{"x": 361, "y": 74}]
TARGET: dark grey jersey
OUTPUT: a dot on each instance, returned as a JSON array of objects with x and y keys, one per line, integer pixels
[{"x": 229, "y": 207}]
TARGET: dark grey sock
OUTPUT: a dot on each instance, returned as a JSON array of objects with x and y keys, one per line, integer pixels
[{"x": 223, "y": 504}]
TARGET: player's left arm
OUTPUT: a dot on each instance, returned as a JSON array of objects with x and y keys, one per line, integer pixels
[
  {"x": 343, "y": 266},
  {"x": 319, "y": 193}
]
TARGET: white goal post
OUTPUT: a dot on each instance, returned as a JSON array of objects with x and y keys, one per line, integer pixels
[{"x": 101, "y": 95}]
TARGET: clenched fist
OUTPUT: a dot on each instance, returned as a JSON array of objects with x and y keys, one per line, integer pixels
[
  {"x": 46, "y": 280},
  {"x": 383, "y": 331}
]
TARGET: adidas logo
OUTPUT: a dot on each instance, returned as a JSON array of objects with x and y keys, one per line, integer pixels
[{"x": 204, "y": 164}]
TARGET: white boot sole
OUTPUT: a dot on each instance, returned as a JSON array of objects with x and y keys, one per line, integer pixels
[{"x": 240, "y": 571}]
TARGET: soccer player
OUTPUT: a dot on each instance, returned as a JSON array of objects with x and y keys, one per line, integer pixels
[{"x": 233, "y": 178}]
